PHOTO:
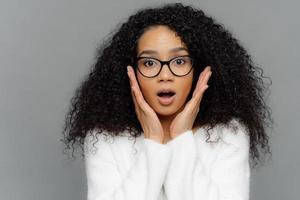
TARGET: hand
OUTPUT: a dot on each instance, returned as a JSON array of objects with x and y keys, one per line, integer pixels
[
  {"x": 146, "y": 115},
  {"x": 185, "y": 119}
]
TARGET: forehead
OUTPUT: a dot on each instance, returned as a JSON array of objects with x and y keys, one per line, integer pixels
[{"x": 160, "y": 39}]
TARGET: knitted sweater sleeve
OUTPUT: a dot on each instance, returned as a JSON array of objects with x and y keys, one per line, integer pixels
[
  {"x": 143, "y": 181},
  {"x": 228, "y": 178}
]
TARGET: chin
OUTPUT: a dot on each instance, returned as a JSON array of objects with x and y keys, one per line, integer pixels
[{"x": 165, "y": 110}]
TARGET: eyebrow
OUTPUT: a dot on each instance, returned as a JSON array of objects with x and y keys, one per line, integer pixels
[{"x": 155, "y": 52}]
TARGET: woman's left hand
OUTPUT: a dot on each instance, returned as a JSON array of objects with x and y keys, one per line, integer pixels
[{"x": 185, "y": 119}]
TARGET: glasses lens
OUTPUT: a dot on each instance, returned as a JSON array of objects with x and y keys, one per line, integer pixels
[
  {"x": 148, "y": 66},
  {"x": 181, "y": 65}
]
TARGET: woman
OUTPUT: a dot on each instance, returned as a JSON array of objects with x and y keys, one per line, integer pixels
[{"x": 187, "y": 92}]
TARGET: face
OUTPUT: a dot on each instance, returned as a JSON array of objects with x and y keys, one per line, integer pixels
[{"x": 162, "y": 40}]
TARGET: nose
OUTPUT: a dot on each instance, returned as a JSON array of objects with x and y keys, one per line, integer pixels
[{"x": 165, "y": 73}]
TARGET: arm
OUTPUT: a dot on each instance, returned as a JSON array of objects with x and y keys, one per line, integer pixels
[
  {"x": 230, "y": 173},
  {"x": 143, "y": 181}
]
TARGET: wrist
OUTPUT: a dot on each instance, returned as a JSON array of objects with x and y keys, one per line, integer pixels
[{"x": 156, "y": 139}]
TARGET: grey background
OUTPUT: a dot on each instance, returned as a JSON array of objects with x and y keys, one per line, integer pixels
[{"x": 46, "y": 47}]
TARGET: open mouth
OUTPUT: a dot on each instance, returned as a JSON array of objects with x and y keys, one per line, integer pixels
[
  {"x": 166, "y": 97},
  {"x": 166, "y": 94}
]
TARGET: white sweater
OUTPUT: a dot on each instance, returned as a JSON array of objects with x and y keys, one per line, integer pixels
[{"x": 185, "y": 168}]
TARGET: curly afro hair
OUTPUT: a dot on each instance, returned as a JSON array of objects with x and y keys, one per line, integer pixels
[{"x": 103, "y": 101}]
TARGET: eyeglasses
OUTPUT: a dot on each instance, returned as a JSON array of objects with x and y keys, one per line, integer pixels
[{"x": 151, "y": 67}]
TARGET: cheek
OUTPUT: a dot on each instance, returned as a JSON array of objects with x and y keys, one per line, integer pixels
[
  {"x": 146, "y": 88},
  {"x": 184, "y": 88}
]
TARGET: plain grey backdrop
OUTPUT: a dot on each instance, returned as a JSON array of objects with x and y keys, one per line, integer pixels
[{"x": 46, "y": 47}]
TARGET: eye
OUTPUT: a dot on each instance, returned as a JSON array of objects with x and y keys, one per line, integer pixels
[
  {"x": 149, "y": 63},
  {"x": 179, "y": 61}
]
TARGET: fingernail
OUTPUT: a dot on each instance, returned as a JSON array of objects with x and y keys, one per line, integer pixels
[{"x": 127, "y": 68}]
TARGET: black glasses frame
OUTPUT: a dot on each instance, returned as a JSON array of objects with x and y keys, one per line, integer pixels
[{"x": 162, "y": 63}]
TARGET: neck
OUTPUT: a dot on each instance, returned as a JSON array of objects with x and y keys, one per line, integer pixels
[{"x": 166, "y": 123}]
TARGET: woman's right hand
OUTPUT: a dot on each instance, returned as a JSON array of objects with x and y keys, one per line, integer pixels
[{"x": 146, "y": 115}]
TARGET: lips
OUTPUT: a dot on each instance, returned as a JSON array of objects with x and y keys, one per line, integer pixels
[
  {"x": 168, "y": 92},
  {"x": 166, "y": 96}
]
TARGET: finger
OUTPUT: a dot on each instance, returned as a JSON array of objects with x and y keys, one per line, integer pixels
[
  {"x": 201, "y": 87},
  {"x": 136, "y": 104},
  {"x": 129, "y": 77},
  {"x": 132, "y": 92},
  {"x": 207, "y": 68},
  {"x": 194, "y": 103},
  {"x": 205, "y": 80},
  {"x": 200, "y": 80},
  {"x": 138, "y": 94},
  {"x": 206, "y": 71},
  {"x": 133, "y": 78}
]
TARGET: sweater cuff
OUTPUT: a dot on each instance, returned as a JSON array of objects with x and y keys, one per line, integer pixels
[
  {"x": 156, "y": 147},
  {"x": 182, "y": 139},
  {"x": 157, "y": 152}
]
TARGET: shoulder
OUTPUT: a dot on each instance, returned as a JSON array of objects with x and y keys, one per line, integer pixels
[
  {"x": 97, "y": 144},
  {"x": 102, "y": 144},
  {"x": 234, "y": 134}
]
